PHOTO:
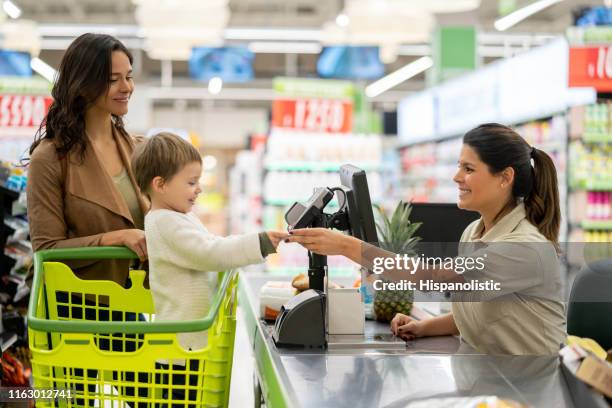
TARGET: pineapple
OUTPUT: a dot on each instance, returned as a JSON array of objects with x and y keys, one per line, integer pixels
[{"x": 395, "y": 235}]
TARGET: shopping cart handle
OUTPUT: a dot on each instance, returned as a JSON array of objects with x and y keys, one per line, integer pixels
[
  {"x": 116, "y": 252},
  {"x": 126, "y": 327}
]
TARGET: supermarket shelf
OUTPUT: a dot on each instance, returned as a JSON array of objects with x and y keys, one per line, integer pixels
[
  {"x": 286, "y": 203},
  {"x": 278, "y": 203},
  {"x": 10, "y": 132},
  {"x": 419, "y": 179},
  {"x": 597, "y": 138},
  {"x": 7, "y": 340},
  {"x": 316, "y": 166},
  {"x": 593, "y": 185},
  {"x": 9, "y": 192},
  {"x": 597, "y": 225},
  {"x": 551, "y": 146}
]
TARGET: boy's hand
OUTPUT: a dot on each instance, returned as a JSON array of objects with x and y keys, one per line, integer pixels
[{"x": 276, "y": 237}]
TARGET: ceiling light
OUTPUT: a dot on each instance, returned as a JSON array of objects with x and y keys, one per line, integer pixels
[
  {"x": 282, "y": 47},
  {"x": 44, "y": 69},
  {"x": 273, "y": 34},
  {"x": 11, "y": 9},
  {"x": 343, "y": 20},
  {"x": 519, "y": 15},
  {"x": 399, "y": 76},
  {"x": 214, "y": 85},
  {"x": 209, "y": 162}
]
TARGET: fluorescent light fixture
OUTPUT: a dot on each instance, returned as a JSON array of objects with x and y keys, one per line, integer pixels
[
  {"x": 214, "y": 85},
  {"x": 44, "y": 69},
  {"x": 343, "y": 20},
  {"x": 399, "y": 76},
  {"x": 281, "y": 47},
  {"x": 272, "y": 34},
  {"x": 11, "y": 9},
  {"x": 74, "y": 30},
  {"x": 519, "y": 15}
]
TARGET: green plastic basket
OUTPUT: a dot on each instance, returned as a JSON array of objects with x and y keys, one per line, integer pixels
[{"x": 97, "y": 362}]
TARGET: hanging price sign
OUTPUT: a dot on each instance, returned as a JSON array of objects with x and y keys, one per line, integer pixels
[
  {"x": 591, "y": 66},
  {"x": 311, "y": 105},
  {"x": 315, "y": 115},
  {"x": 23, "y": 110}
]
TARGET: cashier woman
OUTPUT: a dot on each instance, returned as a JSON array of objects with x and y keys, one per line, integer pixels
[{"x": 513, "y": 187}]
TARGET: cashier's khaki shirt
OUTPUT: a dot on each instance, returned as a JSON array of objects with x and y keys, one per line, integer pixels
[{"x": 527, "y": 315}]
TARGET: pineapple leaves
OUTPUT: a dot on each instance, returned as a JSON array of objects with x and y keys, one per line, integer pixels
[{"x": 397, "y": 234}]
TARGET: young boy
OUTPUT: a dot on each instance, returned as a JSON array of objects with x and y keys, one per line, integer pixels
[{"x": 181, "y": 250}]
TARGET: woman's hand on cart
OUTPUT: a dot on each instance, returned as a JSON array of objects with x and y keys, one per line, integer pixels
[{"x": 131, "y": 238}]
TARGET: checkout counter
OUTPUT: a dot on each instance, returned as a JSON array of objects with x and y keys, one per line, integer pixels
[{"x": 376, "y": 370}]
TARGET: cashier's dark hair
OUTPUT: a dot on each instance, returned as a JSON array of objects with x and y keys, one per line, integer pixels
[
  {"x": 500, "y": 147},
  {"x": 84, "y": 74}
]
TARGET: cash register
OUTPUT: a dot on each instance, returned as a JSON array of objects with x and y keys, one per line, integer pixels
[{"x": 302, "y": 321}]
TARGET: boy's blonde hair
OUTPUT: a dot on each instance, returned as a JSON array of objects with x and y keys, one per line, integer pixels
[{"x": 163, "y": 155}]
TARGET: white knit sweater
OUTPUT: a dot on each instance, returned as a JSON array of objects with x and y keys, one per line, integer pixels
[{"x": 181, "y": 251}]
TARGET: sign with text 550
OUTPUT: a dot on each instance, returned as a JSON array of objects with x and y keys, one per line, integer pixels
[
  {"x": 315, "y": 115},
  {"x": 591, "y": 66},
  {"x": 23, "y": 110}
]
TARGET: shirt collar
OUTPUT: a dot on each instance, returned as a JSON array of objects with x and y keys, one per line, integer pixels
[{"x": 505, "y": 225}]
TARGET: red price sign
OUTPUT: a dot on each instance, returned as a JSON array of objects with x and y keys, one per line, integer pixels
[
  {"x": 315, "y": 115},
  {"x": 23, "y": 110},
  {"x": 591, "y": 66}
]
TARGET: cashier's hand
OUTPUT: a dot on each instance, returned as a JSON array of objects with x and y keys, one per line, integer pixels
[
  {"x": 276, "y": 237},
  {"x": 320, "y": 240},
  {"x": 406, "y": 327}
]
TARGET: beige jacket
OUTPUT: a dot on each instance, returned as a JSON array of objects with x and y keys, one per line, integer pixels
[{"x": 73, "y": 203}]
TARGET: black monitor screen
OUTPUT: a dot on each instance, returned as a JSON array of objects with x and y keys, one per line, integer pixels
[
  {"x": 441, "y": 228},
  {"x": 359, "y": 205}
]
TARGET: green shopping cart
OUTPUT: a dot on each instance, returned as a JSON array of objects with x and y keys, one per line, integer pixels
[{"x": 93, "y": 342}]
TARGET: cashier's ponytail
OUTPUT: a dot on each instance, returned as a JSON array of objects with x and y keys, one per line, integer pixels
[
  {"x": 542, "y": 203},
  {"x": 500, "y": 147}
]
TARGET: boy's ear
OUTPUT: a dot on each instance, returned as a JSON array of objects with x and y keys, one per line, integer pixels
[{"x": 158, "y": 184}]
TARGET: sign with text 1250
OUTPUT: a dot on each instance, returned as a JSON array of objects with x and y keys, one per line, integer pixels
[
  {"x": 314, "y": 115},
  {"x": 591, "y": 66},
  {"x": 23, "y": 110}
]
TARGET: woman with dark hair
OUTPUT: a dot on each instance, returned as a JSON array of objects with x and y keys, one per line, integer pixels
[
  {"x": 514, "y": 188},
  {"x": 81, "y": 190}
]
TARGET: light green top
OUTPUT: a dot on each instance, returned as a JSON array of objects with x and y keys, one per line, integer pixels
[
  {"x": 527, "y": 315},
  {"x": 125, "y": 187}
]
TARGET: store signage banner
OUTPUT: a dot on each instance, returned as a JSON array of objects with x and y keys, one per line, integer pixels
[
  {"x": 534, "y": 84},
  {"x": 591, "y": 66},
  {"x": 509, "y": 91},
  {"x": 24, "y": 86},
  {"x": 314, "y": 115},
  {"x": 471, "y": 100},
  {"x": 23, "y": 110},
  {"x": 313, "y": 105},
  {"x": 416, "y": 117}
]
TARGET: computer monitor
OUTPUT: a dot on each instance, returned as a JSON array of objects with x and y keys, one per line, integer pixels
[
  {"x": 441, "y": 228},
  {"x": 359, "y": 205}
]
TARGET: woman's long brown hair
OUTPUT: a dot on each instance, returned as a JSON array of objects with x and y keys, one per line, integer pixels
[{"x": 84, "y": 74}]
